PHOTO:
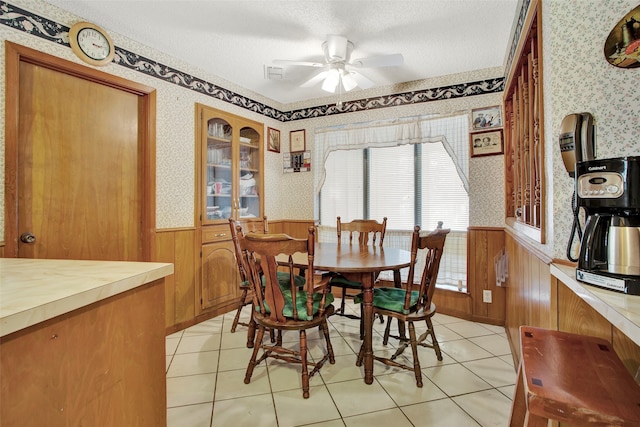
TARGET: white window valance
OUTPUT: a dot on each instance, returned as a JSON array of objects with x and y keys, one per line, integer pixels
[{"x": 451, "y": 130}]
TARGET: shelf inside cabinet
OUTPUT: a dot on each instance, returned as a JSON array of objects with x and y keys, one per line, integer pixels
[
  {"x": 250, "y": 145},
  {"x": 220, "y": 140}
]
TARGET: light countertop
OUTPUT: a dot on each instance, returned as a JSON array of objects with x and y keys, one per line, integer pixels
[
  {"x": 35, "y": 290},
  {"x": 621, "y": 310}
]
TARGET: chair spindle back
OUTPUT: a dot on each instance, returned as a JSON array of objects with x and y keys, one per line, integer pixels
[
  {"x": 259, "y": 256},
  {"x": 364, "y": 230},
  {"x": 245, "y": 227},
  {"x": 433, "y": 246}
]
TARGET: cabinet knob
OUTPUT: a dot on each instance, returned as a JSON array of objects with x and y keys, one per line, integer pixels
[{"x": 221, "y": 234}]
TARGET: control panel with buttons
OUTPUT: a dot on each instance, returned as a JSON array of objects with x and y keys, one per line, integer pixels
[{"x": 602, "y": 185}]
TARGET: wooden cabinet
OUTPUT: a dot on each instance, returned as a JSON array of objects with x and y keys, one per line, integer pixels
[
  {"x": 230, "y": 185},
  {"x": 219, "y": 276},
  {"x": 101, "y": 364},
  {"x": 232, "y": 167}
]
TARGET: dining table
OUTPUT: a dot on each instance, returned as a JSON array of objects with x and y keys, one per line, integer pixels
[{"x": 360, "y": 263}]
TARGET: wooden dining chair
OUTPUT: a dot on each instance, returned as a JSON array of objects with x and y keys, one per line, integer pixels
[
  {"x": 363, "y": 232},
  {"x": 246, "y": 295},
  {"x": 286, "y": 308},
  {"x": 411, "y": 304}
]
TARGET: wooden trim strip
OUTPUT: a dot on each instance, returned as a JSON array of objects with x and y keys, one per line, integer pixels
[{"x": 529, "y": 247}]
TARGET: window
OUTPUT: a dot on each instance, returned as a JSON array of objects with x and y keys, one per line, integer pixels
[{"x": 415, "y": 182}]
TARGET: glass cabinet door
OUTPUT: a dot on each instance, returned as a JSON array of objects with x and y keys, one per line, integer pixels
[
  {"x": 250, "y": 175},
  {"x": 232, "y": 177},
  {"x": 218, "y": 170}
]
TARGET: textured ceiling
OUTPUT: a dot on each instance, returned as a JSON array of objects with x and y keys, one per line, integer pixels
[{"x": 237, "y": 39}]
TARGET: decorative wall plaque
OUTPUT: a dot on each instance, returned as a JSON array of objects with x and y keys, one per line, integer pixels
[{"x": 622, "y": 48}]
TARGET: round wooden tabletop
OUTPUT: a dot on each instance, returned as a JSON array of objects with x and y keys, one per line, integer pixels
[{"x": 353, "y": 258}]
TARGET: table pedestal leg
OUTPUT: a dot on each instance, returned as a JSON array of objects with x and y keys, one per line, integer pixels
[{"x": 367, "y": 317}]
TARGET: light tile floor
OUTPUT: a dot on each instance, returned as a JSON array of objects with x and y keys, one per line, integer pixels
[{"x": 471, "y": 386}]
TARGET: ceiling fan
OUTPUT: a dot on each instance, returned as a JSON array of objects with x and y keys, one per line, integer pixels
[{"x": 340, "y": 71}]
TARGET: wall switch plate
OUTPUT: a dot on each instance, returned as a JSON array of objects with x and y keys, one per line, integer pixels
[{"x": 486, "y": 296}]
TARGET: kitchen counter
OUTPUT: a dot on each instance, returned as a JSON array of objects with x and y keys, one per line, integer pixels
[
  {"x": 82, "y": 342},
  {"x": 35, "y": 290},
  {"x": 621, "y": 310}
]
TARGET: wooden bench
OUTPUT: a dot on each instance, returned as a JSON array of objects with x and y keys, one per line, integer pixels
[{"x": 573, "y": 379}]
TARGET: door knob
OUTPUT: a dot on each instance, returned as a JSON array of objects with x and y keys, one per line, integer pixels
[{"x": 27, "y": 238}]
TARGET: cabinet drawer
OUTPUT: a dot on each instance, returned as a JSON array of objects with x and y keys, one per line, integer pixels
[{"x": 216, "y": 233}]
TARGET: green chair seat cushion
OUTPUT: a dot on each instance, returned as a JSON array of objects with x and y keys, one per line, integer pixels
[
  {"x": 301, "y": 303},
  {"x": 391, "y": 299},
  {"x": 283, "y": 279},
  {"x": 344, "y": 282}
]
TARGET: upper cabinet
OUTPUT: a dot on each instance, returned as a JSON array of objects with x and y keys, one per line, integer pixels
[{"x": 231, "y": 173}]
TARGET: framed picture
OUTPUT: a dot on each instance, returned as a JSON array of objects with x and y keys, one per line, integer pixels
[
  {"x": 273, "y": 140},
  {"x": 296, "y": 139},
  {"x": 487, "y": 143},
  {"x": 486, "y": 118}
]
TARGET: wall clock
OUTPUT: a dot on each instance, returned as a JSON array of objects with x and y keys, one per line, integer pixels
[{"x": 91, "y": 43}]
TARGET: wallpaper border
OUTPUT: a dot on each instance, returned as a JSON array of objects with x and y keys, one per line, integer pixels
[{"x": 33, "y": 24}]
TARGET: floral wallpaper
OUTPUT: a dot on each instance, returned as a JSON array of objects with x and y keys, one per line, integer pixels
[
  {"x": 39, "y": 25},
  {"x": 577, "y": 78},
  {"x": 297, "y": 201}
]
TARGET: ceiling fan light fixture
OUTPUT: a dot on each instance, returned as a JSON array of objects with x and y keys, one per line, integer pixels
[
  {"x": 337, "y": 74},
  {"x": 348, "y": 81},
  {"x": 331, "y": 81}
]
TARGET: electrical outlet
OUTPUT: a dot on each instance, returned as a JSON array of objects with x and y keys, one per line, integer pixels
[{"x": 486, "y": 296}]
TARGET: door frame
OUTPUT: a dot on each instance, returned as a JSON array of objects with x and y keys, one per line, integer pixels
[{"x": 14, "y": 54}]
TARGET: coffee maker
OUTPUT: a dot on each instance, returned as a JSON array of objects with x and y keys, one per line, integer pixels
[{"x": 609, "y": 192}]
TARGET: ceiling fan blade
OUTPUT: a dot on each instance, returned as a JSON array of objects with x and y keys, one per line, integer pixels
[
  {"x": 363, "y": 82},
  {"x": 298, "y": 63},
  {"x": 392, "y": 60},
  {"x": 315, "y": 79}
]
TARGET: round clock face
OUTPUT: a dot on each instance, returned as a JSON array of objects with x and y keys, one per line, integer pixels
[
  {"x": 91, "y": 43},
  {"x": 94, "y": 44}
]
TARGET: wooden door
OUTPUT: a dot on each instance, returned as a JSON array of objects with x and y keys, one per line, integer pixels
[{"x": 82, "y": 163}]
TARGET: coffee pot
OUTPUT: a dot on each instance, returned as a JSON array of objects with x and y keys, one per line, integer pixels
[
  {"x": 623, "y": 252},
  {"x": 609, "y": 192}
]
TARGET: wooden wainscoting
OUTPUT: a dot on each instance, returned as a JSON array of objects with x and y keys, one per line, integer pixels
[
  {"x": 298, "y": 228},
  {"x": 627, "y": 350},
  {"x": 529, "y": 290},
  {"x": 180, "y": 248},
  {"x": 453, "y": 303},
  {"x": 578, "y": 317},
  {"x": 536, "y": 298},
  {"x": 484, "y": 245}
]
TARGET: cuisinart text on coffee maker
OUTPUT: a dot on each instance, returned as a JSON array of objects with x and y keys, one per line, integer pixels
[{"x": 609, "y": 192}]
